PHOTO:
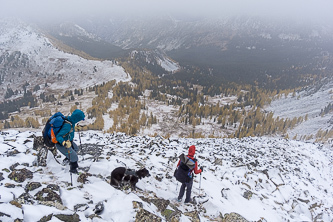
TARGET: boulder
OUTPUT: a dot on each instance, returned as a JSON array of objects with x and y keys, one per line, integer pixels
[
  {"x": 25, "y": 198},
  {"x": 32, "y": 186},
  {"x": 68, "y": 218},
  {"x": 233, "y": 217},
  {"x": 194, "y": 215},
  {"x": 20, "y": 175},
  {"x": 46, "y": 194},
  {"x": 144, "y": 215}
]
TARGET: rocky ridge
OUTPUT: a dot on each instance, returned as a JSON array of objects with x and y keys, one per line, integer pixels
[{"x": 286, "y": 180}]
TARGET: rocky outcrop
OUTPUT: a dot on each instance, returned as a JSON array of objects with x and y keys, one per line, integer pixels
[
  {"x": 42, "y": 149},
  {"x": 46, "y": 194},
  {"x": 233, "y": 217},
  {"x": 20, "y": 175},
  {"x": 32, "y": 186},
  {"x": 61, "y": 217},
  {"x": 144, "y": 215}
]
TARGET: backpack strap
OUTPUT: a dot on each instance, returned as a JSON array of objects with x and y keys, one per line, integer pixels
[{"x": 66, "y": 121}]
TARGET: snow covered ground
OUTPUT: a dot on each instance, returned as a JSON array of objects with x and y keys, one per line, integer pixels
[
  {"x": 265, "y": 179},
  {"x": 310, "y": 102},
  {"x": 43, "y": 63}
]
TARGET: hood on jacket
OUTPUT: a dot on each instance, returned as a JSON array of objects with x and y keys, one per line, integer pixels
[
  {"x": 76, "y": 116},
  {"x": 191, "y": 151}
]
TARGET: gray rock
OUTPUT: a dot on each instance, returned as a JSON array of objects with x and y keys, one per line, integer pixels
[
  {"x": 83, "y": 177},
  {"x": 42, "y": 149},
  {"x": 12, "y": 167},
  {"x": 171, "y": 215},
  {"x": 48, "y": 195},
  {"x": 81, "y": 207},
  {"x": 161, "y": 204},
  {"x": 42, "y": 156},
  {"x": 53, "y": 187},
  {"x": 159, "y": 177},
  {"x": 137, "y": 204},
  {"x": 12, "y": 152},
  {"x": 143, "y": 215},
  {"x": 16, "y": 204},
  {"x": 4, "y": 215},
  {"x": 218, "y": 161},
  {"x": 55, "y": 204},
  {"x": 10, "y": 185},
  {"x": 25, "y": 198},
  {"x": 194, "y": 215},
  {"x": 68, "y": 218},
  {"x": 38, "y": 143},
  {"x": 247, "y": 194},
  {"x": 92, "y": 149},
  {"x": 20, "y": 175},
  {"x": 233, "y": 217},
  {"x": 99, "y": 208},
  {"x": 32, "y": 186},
  {"x": 46, "y": 218}
]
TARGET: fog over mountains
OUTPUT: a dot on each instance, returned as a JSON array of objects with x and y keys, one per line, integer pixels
[{"x": 242, "y": 49}]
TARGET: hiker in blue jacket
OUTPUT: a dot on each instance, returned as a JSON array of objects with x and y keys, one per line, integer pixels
[{"x": 65, "y": 139}]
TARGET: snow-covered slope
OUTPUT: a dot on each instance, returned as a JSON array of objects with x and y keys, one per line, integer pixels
[
  {"x": 261, "y": 179},
  {"x": 156, "y": 58},
  {"x": 26, "y": 55},
  {"x": 309, "y": 102}
]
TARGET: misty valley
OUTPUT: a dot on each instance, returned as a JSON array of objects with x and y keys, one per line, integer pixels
[{"x": 220, "y": 74}]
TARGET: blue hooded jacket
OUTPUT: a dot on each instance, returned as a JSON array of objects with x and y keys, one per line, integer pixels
[{"x": 76, "y": 116}]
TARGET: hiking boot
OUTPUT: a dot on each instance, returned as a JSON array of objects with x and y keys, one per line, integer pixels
[
  {"x": 190, "y": 202},
  {"x": 73, "y": 167},
  {"x": 179, "y": 200}
]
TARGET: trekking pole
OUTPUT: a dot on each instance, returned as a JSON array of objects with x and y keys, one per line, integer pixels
[
  {"x": 69, "y": 157},
  {"x": 200, "y": 185},
  {"x": 80, "y": 142},
  {"x": 80, "y": 137}
]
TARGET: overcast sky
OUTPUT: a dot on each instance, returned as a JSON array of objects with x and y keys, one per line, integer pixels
[{"x": 56, "y": 9}]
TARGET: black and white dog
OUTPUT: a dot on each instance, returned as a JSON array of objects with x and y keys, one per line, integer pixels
[{"x": 122, "y": 176}]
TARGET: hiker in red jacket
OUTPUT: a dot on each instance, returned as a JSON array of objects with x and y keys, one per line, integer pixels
[{"x": 184, "y": 173}]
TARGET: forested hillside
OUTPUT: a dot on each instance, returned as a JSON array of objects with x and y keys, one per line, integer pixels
[{"x": 230, "y": 109}]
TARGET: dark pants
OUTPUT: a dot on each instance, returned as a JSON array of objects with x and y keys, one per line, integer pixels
[
  {"x": 72, "y": 150},
  {"x": 188, "y": 187}
]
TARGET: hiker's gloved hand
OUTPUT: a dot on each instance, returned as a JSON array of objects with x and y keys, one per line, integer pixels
[
  {"x": 78, "y": 127},
  {"x": 67, "y": 144},
  {"x": 201, "y": 168}
]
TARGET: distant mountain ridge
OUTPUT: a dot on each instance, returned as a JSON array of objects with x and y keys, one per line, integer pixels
[
  {"x": 240, "y": 49},
  {"x": 169, "y": 33}
]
